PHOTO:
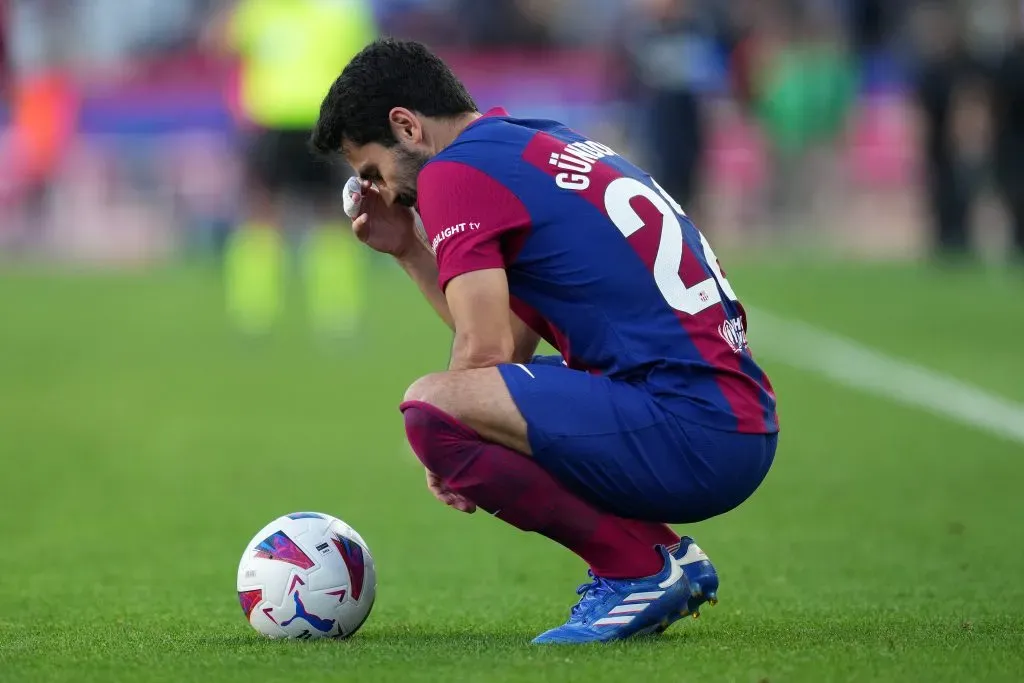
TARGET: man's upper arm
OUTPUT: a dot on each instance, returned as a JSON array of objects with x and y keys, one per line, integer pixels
[
  {"x": 472, "y": 221},
  {"x": 475, "y": 226}
]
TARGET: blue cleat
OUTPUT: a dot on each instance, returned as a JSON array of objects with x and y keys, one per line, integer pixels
[
  {"x": 701, "y": 579},
  {"x": 616, "y": 609}
]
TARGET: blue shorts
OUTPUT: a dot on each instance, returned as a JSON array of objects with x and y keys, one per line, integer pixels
[{"x": 613, "y": 444}]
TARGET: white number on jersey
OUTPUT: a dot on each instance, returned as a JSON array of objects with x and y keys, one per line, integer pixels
[{"x": 689, "y": 300}]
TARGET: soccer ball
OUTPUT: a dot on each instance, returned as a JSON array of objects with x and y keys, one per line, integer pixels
[{"x": 307, "y": 575}]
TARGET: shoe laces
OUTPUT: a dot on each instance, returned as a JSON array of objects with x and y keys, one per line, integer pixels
[{"x": 590, "y": 591}]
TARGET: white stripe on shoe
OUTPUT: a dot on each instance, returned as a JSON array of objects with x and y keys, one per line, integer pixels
[
  {"x": 614, "y": 621},
  {"x": 630, "y": 609},
  {"x": 644, "y": 597}
]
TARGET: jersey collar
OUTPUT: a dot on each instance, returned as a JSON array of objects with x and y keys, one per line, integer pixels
[{"x": 494, "y": 112}]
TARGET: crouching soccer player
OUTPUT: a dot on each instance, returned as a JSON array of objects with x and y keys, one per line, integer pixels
[{"x": 659, "y": 413}]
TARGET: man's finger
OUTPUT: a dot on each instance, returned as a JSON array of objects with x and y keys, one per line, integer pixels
[{"x": 361, "y": 227}]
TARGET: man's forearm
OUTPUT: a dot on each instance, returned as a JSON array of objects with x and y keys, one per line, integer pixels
[{"x": 421, "y": 267}]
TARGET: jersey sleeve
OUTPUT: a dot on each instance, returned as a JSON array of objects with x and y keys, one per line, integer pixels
[{"x": 472, "y": 221}]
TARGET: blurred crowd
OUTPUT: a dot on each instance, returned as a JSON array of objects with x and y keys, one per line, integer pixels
[{"x": 888, "y": 124}]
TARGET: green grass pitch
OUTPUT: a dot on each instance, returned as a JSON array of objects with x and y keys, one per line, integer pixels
[{"x": 142, "y": 444}]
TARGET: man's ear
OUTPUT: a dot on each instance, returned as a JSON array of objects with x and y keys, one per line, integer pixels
[{"x": 405, "y": 125}]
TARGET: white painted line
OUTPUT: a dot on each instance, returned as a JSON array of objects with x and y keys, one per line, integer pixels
[{"x": 854, "y": 365}]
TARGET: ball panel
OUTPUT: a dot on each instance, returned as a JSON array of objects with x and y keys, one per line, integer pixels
[
  {"x": 305, "y": 515},
  {"x": 278, "y": 546},
  {"x": 249, "y": 599}
]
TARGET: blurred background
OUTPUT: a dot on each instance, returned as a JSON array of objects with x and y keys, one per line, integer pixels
[{"x": 879, "y": 128}]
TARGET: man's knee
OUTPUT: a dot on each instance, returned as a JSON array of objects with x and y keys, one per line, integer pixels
[
  {"x": 477, "y": 399},
  {"x": 428, "y": 389}
]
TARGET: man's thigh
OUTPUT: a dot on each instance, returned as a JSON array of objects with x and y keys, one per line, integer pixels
[{"x": 608, "y": 441}]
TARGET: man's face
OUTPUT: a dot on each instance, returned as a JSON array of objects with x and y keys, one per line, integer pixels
[{"x": 393, "y": 170}]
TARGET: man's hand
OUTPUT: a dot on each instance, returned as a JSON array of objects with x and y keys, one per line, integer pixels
[
  {"x": 447, "y": 496},
  {"x": 383, "y": 228},
  {"x": 393, "y": 230}
]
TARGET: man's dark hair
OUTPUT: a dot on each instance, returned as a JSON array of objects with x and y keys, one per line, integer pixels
[{"x": 387, "y": 73}]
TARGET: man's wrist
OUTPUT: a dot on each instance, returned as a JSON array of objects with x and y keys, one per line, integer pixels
[{"x": 413, "y": 254}]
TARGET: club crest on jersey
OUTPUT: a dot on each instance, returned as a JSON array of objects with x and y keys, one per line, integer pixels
[
  {"x": 578, "y": 160},
  {"x": 734, "y": 334}
]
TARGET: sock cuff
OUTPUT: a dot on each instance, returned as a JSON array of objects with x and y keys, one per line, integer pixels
[{"x": 433, "y": 412}]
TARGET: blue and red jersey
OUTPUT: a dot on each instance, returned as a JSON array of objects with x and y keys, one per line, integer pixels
[{"x": 601, "y": 262}]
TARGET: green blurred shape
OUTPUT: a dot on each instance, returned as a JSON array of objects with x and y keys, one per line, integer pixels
[
  {"x": 334, "y": 272},
  {"x": 805, "y": 96},
  {"x": 254, "y": 277}
]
